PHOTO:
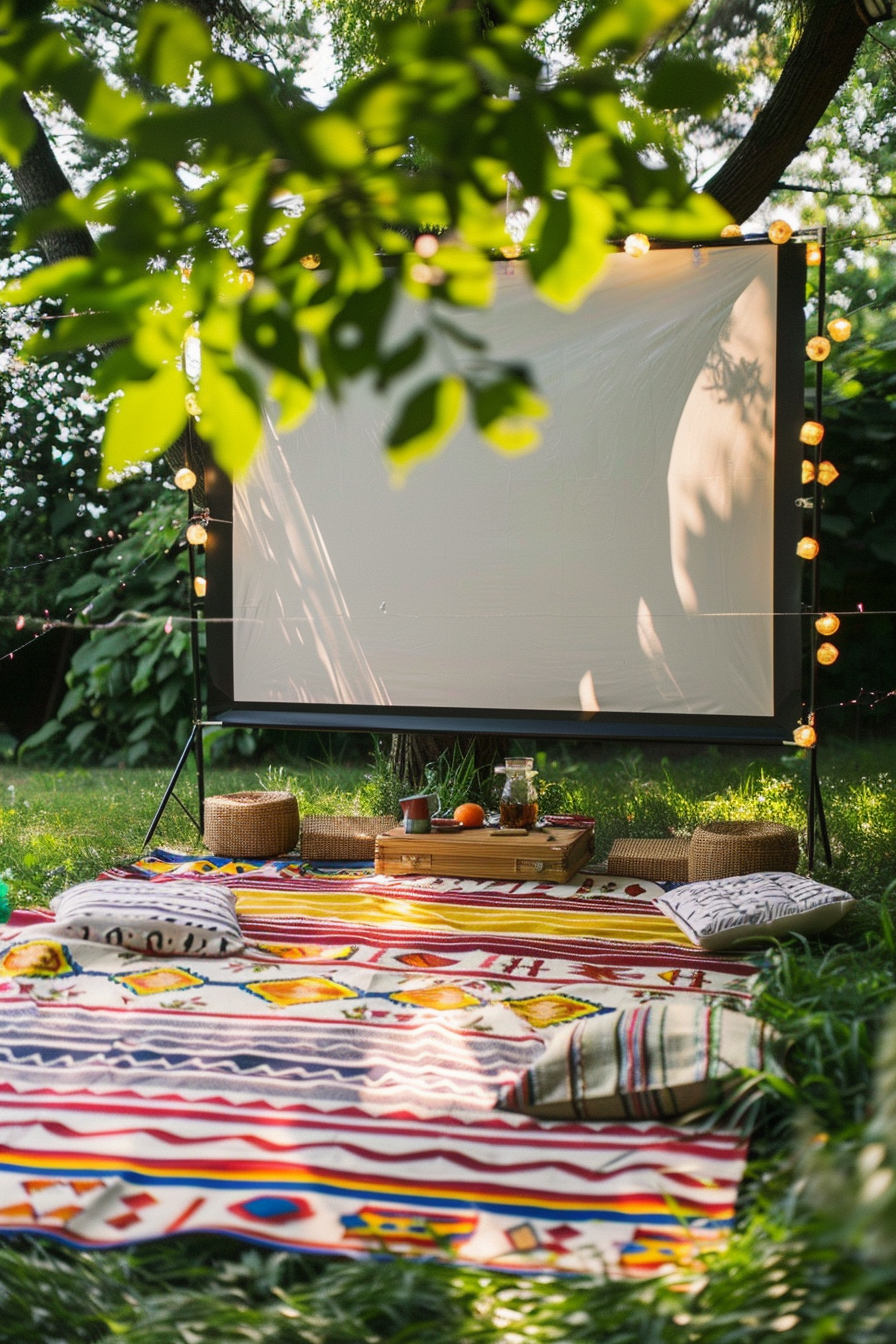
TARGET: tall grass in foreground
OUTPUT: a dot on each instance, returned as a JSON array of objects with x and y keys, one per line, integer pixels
[{"x": 812, "y": 1258}]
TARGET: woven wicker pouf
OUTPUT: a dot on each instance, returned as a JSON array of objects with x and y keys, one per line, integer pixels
[
  {"x": 342, "y": 839},
  {"x": 652, "y": 860},
  {"x": 731, "y": 848},
  {"x": 251, "y": 825}
]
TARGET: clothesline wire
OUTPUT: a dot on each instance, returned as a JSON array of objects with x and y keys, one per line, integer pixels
[{"x": 145, "y": 618}]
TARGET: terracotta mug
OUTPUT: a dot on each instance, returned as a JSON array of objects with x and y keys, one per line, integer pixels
[{"x": 418, "y": 811}]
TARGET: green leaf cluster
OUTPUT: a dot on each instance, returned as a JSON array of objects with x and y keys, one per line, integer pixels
[
  {"x": 128, "y": 684},
  {"x": 285, "y": 229}
]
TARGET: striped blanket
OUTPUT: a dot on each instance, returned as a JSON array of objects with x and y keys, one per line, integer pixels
[{"x": 334, "y": 1087}]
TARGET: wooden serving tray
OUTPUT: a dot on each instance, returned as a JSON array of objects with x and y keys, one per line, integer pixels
[{"x": 549, "y": 855}]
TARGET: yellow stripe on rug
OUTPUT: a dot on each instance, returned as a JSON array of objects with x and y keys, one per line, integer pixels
[{"x": 362, "y": 908}]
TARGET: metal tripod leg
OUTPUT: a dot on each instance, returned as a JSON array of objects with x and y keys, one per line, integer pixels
[
  {"x": 195, "y": 736},
  {"x": 822, "y": 822},
  {"x": 816, "y": 818}
]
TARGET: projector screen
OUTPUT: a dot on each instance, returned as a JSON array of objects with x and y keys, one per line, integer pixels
[{"x": 634, "y": 576}]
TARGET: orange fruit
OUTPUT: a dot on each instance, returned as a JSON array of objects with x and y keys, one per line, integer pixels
[{"x": 469, "y": 815}]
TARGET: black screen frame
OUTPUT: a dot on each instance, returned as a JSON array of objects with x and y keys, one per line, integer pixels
[{"x": 599, "y": 725}]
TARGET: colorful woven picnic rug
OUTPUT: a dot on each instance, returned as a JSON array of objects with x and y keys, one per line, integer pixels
[{"x": 334, "y": 1087}]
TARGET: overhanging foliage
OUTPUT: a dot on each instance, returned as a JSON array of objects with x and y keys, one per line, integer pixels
[{"x": 222, "y": 194}]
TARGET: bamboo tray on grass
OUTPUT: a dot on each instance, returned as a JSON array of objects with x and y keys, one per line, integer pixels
[{"x": 543, "y": 855}]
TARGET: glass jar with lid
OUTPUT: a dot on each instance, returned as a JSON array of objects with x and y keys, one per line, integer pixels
[{"x": 519, "y": 798}]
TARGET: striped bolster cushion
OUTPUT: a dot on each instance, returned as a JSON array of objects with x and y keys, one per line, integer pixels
[
  {"x": 651, "y": 1062},
  {"x": 162, "y": 919}
]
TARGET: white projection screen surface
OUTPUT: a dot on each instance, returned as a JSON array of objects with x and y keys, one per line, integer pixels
[{"x": 621, "y": 579}]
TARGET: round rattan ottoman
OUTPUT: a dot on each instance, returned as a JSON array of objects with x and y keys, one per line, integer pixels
[
  {"x": 731, "y": 848},
  {"x": 251, "y": 825}
]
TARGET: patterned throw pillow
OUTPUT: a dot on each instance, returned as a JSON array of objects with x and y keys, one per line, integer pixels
[
  {"x": 656, "y": 1061},
  {"x": 730, "y": 911},
  {"x": 162, "y": 918}
]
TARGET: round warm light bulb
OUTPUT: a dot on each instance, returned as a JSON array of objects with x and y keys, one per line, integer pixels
[
  {"x": 637, "y": 245},
  {"x": 424, "y": 274},
  {"x": 840, "y": 329},
  {"x": 807, "y": 548},
  {"x": 813, "y": 254},
  {"x": 185, "y": 479},
  {"x": 245, "y": 277},
  {"x": 196, "y": 534},
  {"x": 185, "y": 271},
  {"x": 808, "y": 473},
  {"x": 732, "y": 231},
  {"x": 426, "y": 246},
  {"x": 191, "y": 405},
  {"x": 199, "y": 586},
  {"x": 827, "y": 654},
  {"x": 780, "y": 231},
  {"x": 812, "y": 433},
  {"x": 805, "y": 735},
  {"x": 827, "y": 624},
  {"x": 827, "y": 473},
  {"x": 818, "y": 348},
  {"x": 513, "y": 250},
  {"x": 311, "y": 262}
]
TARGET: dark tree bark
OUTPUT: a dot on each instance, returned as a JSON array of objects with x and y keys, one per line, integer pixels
[
  {"x": 412, "y": 752},
  {"x": 40, "y": 181},
  {"x": 813, "y": 72}
]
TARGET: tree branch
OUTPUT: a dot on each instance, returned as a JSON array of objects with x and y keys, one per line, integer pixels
[{"x": 813, "y": 72}]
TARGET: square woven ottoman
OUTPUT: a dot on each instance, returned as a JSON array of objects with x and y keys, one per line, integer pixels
[{"x": 655, "y": 860}]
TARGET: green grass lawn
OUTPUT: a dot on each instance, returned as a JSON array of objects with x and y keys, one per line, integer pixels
[{"x": 812, "y": 1258}]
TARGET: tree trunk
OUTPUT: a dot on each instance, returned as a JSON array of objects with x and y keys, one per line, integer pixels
[
  {"x": 813, "y": 72},
  {"x": 412, "y": 752},
  {"x": 40, "y": 181}
]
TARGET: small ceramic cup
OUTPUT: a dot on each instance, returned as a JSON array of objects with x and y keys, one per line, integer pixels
[{"x": 418, "y": 811}]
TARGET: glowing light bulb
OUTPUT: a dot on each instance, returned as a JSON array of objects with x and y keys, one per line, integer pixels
[
  {"x": 245, "y": 277},
  {"x": 812, "y": 433},
  {"x": 827, "y": 473},
  {"x": 827, "y": 624},
  {"x": 191, "y": 405},
  {"x": 311, "y": 262},
  {"x": 637, "y": 245},
  {"x": 808, "y": 473},
  {"x": 20, "y": 622},
  {"x": 807, "y": 548},
  {"x": 840, "y": 329},
  {"x": 513, "y": 250},
  {"x": 185, "y": 479},
  {"x": 732, "y": 231},
  {"x": 813, "y": 254},
  {"x": 779, "y": 231},
  {"x": 827, "y": 654},
  {"x": 169, "y": 626},
  {"x": 805, "y": 735},
  {"x": 427, "y": 245},
  {"x": 196, "y": 534},
  {"x": 424, "y": 274},
  {"x": 199, "y": 586},
  {"x": 185, "y": 271},
  {"x": 818, "y": 348}
]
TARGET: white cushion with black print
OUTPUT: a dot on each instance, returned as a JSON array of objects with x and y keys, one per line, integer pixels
[
  {"x": 731, "y": 911},
  {"x": 179, "y": 919}
]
